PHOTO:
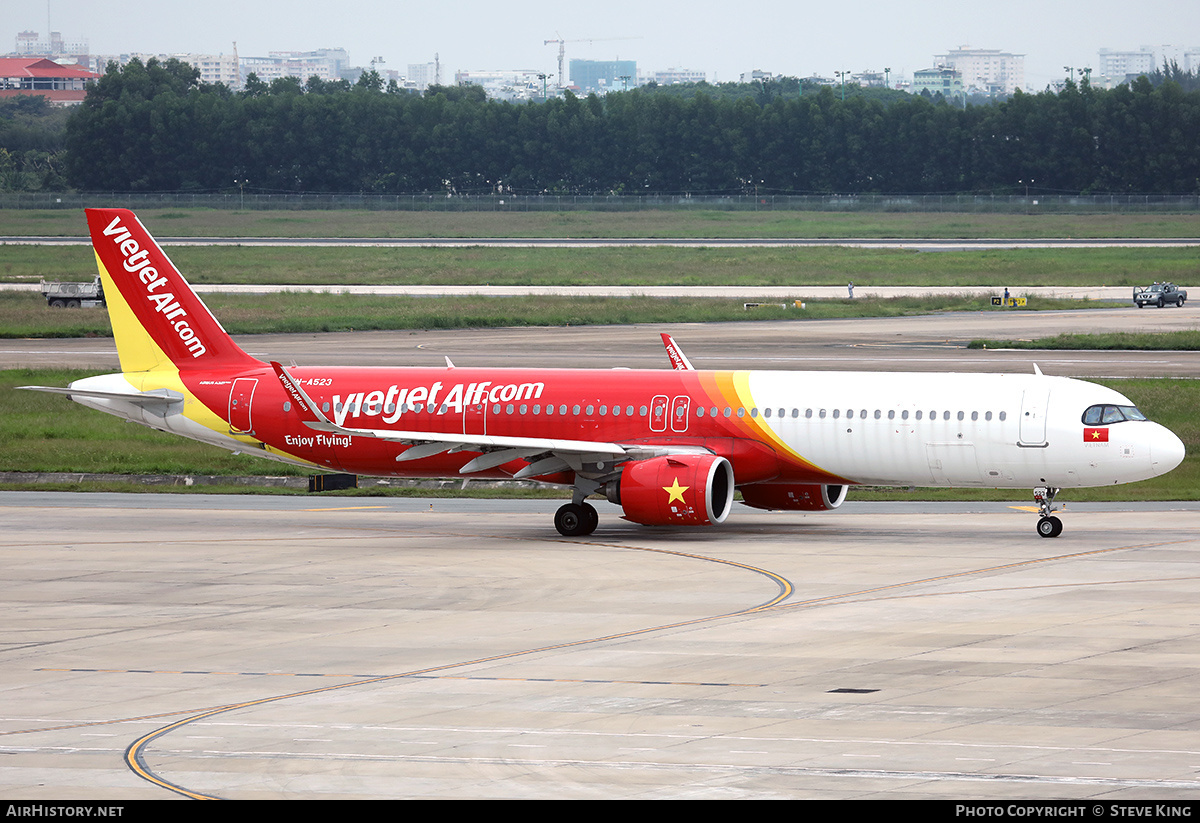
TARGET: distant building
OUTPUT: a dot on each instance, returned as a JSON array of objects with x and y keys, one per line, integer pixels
[
  {"x": 603, "y": 75},
  {"x": 214, "y": 68},
  {"x": 30, "y": 44},
  {"x": 1119, "y": 66},
  {"x": 512, "y": 84},
  {"x": 938, "y": 80},
  {"x": 37, "y": 76},
  {"x": 1191, "y": 60},
  {"x": 818, "y": 80},
  {"x": 232, "y": 70},
  {"x": 326, "y": 64},
  {"x": 870, "y": 79},
  {"x": 755, "y": 76},
  {"x": 986, "y": 70},
  {"x": 423, "y": 75},
  {"x": 672, "y": 76}
]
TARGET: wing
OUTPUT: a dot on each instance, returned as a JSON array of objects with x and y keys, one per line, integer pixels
[{"x": 545, "y": 455}]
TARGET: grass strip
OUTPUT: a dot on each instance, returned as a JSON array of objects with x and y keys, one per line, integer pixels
[
  {"x": 651, "y": 223},
  {"x": 1188, "y": 340},
  {"x": 789, "y": 269},
  {"x": 26, "y": 315}
]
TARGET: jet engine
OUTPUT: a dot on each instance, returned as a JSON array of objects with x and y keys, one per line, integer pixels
[
  {"x": 684, "y": 489},
  {"x": 812, "y": 498}
]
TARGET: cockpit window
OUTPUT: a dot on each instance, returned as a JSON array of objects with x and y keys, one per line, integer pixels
[{"x": 1106, "y": 415}]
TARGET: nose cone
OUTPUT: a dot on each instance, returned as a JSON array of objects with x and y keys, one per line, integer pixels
[{"x": 1166, "y": 451}]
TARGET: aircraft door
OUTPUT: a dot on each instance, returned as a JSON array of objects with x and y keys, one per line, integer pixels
[
  {"x": 679, "y": 413},
  {"x": 475, "y": 418},
  {"x": 240, "y": 396},
  {"x": 1033, "y": 417},
  {"x": 659, "y": 412}
]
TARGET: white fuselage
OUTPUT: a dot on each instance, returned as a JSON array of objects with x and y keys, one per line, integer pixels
[{"x": 993, "y": 430}]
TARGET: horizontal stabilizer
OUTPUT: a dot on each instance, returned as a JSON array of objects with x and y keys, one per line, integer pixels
[{"x": 157, "y": 397}]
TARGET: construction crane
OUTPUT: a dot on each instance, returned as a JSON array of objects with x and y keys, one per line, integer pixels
[{"x": 562, "y": 51}]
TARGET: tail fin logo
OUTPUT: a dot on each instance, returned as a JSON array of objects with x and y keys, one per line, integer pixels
[{"x": 137, "y": 261}]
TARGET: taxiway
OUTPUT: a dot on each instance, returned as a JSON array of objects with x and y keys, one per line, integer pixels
[{"x": 168, "y": 646}]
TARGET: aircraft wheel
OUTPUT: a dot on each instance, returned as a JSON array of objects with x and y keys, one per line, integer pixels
[
  {"x": 1049, "y": 527},
  {"x": 574, "y": 521}
]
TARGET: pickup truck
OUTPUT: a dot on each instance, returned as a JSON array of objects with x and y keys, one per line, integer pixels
[{"x": 1160, "y": 294}]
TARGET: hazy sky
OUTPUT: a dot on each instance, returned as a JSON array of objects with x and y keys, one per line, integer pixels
[{"x": 795, "y": 37}]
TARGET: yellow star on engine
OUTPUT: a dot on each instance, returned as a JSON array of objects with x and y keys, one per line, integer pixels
[{"x": 675, "y": 491}]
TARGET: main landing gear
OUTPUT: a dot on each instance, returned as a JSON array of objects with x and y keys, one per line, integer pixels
[
  {"x": 576, "y": 519},
  {"x": 1048, "y": 525}
]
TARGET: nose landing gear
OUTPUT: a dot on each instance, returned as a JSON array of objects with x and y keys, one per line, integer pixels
[{"x": 1048, "y": 525}]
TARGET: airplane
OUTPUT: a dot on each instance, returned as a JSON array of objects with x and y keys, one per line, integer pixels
[{"x": 669, "y": 446}]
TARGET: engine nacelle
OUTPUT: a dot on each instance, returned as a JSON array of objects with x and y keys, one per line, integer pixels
[
  {"x": 685, "y": 489},
  {"x": 801, "y": 497}
]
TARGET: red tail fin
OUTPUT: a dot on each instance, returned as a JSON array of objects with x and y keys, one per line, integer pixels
[{"x": 158, "y": 321}]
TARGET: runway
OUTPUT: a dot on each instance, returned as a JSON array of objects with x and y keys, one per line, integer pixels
[
  {"x": 925, "y": 343},
  {"x": 161, "y": 646}
]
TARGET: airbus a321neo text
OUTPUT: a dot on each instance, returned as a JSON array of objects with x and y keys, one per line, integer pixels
[{"x": 668, "y": 446}]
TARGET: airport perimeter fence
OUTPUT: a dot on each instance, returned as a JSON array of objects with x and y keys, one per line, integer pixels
[{"x": 956, "y": 203}]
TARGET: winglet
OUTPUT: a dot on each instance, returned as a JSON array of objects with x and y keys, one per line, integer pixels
[
  {"x": 679, "y": 360},
  {"x": 298, "y": 395}
]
